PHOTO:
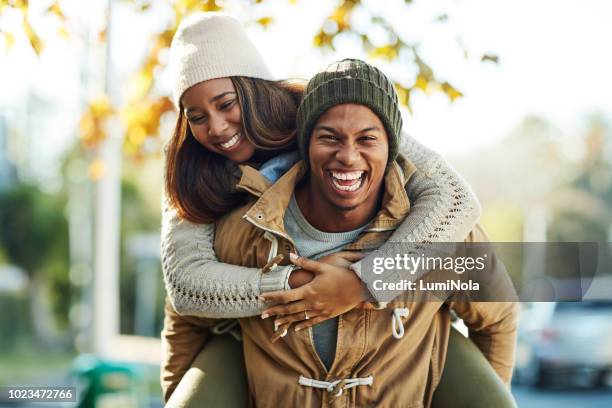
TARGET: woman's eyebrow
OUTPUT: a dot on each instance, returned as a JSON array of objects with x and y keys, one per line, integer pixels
[
  {"x": 221, "y": 95},
  {"x": 213, "y": 99}
]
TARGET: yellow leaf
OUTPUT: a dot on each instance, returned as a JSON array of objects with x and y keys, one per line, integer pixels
[
  {"x": 97, "y": 169},
  {"x": 388, "y": 52},
  {"x": 450, "y": 91},
  {"x": 20, "y": 4},
  {"x": 62, "y": 32},
  {"x": 421, "y": 82},
  {"x": 137, "y": 135},
  {"x": 9, "y": 40},
  {"x": 34, "y": 39},
  {"x": 341, "y": 16},
  {"x": 189, "y": 5},
  {"x": 265, "y": 21},
  {"x": 91, "y": 125},
  {"x": 211, "y": 5},
  {"x": 102, "y": 36},
  {"x": 165, "y": 38},
  {"x": 141, "y": 83},
  {"x": 101, "y": 107},
  {"x": 56, "y": 9},
  {"x": 142, "y": 118},
  {"x": 403, "y": 94},
  {"x": 323, "y": 40},
  {"x": 424, "y": 70}
]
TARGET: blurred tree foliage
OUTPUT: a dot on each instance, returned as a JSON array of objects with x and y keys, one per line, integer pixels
[
  {"x": 142, "y": 112},
  {"x": 582, "y": 207},
  {"x": 140, "y": 213},
  {"x": 33, "y": 227},
  {"x": 34, "y": 235},
  {"x": 134, "y": 219}
]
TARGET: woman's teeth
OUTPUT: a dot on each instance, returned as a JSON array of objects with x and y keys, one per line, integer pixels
[
  {"x": 230, "y": 143},
  {"x": 347, "y": 181}
]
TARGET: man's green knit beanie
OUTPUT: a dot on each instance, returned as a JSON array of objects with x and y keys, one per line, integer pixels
[{"x": 349, "y": 81}]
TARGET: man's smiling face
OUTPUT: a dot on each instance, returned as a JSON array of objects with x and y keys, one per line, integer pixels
[{"x": 348, "y": 155}]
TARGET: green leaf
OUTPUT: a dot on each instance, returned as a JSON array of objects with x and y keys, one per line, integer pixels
[{"x": 442, "y": 18}]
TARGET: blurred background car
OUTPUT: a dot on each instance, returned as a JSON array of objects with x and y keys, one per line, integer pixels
[{"x": 565, "y": 344}]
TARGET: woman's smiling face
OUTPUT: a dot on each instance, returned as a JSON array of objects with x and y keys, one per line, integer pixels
[{"x": 213, "y": 112}]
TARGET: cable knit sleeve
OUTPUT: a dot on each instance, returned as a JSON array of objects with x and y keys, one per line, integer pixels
[
  {"x": 198, "y": 284},
  {"x": 443, "y": 206}
]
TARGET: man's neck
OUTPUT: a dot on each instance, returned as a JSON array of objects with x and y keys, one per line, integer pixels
[{"x": 326, "y": 217}]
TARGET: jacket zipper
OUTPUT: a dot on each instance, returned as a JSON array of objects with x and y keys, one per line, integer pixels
[
  {"x": 287, "y": 237},
  {"x": 270, "y": 235}
]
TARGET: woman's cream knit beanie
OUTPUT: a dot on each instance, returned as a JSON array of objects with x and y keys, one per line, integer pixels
[{"x": 212, "y": 45}]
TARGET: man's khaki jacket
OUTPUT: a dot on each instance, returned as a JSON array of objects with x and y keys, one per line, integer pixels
[{"x": 372, "y": 367}]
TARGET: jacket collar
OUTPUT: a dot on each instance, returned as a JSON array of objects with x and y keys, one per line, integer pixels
[{"x": 268, "y": 212}]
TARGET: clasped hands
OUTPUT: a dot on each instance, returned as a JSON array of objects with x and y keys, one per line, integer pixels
[{"x": 320, "y": 290}]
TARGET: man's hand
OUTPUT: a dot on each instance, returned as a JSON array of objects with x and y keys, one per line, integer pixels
[{"x": 333, "y": 291}]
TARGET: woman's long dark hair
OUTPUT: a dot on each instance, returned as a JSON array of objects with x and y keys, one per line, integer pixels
[{"x": 200, "y": 184}]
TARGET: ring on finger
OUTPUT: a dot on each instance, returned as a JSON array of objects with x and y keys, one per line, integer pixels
[{"x": 306, "y": 317}]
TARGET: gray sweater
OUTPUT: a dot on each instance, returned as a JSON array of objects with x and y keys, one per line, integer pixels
[{"x": 443, "y": 209}]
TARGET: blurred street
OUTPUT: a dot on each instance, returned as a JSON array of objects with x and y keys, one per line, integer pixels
[{"x": 528, "y": 397}]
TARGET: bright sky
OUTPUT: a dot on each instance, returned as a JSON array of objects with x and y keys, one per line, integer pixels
[{"x": 554, "y": 62}]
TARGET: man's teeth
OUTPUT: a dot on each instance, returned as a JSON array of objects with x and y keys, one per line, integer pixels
[
  {"x": 231, "y": 142},
  {"x": 353, "y": 175}
]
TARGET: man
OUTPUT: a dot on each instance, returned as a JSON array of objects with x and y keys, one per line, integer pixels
[{"x": 348, "y": 193}]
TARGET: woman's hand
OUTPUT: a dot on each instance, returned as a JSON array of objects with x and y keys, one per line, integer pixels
[{"x": 334, "y": 290}]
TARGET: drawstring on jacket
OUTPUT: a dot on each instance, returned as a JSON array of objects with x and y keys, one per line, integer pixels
[
  {"x": 230, "y": 326},
  {"x": 397, "y": 326},
  {"x": 340, "y": 385}
]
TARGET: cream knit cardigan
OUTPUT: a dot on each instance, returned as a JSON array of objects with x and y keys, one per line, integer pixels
[{"x": 443, "y": 209}]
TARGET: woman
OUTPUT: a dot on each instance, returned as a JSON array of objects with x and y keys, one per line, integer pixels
[{"x": 231, "y": 111}]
